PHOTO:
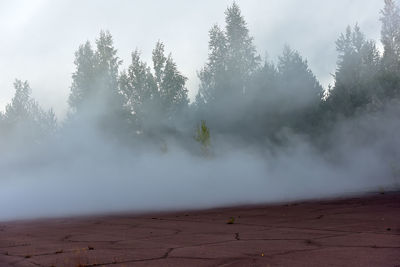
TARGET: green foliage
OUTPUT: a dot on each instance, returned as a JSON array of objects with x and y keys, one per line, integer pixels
[
  {"x": 24, "y": 119},
  {"x": 213, "y": 76},
  {"x": 203, "y": 135},
  {"x": 154, "y": 95},
  {"x": 237, "y": 95},
  {"x": 390, "y": 34},
  {"x": 296, "y": 78},
  {"x": 95, "y": 80},
  {"x": 390, "y": 37},
  {"x": 231, "y": 220},
  {"x": 95, "y": 94},
  {"x": 84, "y": 76},
  {"x": 232, "y": 59},
  {"x": 356, "y": 83}
]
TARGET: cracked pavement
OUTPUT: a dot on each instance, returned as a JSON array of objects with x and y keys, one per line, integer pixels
[{"x": 359, "y": 231}]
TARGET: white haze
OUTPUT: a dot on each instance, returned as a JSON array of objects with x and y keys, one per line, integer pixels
[{"x": 83, "y": 173}]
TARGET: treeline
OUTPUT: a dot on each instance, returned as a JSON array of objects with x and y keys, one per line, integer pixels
[{"x": 240, "y": 94}]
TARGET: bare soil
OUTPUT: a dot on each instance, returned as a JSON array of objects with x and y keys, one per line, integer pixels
[{"x": 359, "y": 231}]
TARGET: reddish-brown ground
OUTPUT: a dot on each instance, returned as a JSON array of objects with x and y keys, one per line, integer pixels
[{"x": 353, "y": 232}]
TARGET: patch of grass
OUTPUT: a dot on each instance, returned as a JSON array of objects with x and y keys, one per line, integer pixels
[{"x": 231, "y": 220}]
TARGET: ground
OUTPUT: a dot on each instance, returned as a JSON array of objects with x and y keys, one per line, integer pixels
[{"x": 359, "y": 231}]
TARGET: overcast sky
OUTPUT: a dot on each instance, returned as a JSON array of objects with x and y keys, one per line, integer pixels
[{"x": 39, "y": 37}]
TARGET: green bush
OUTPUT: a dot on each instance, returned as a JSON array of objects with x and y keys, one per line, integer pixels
[{"x": 203, "y": 136}]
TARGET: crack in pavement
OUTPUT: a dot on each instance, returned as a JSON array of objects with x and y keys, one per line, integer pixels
[
  {"x": 302, "y": 229},
  {"x": 19, "y": 245},
  {"x": 334, "y": 230},
  {"x": 166, "y": 254}
]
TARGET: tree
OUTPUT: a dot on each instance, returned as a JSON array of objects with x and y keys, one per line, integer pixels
[
  {"x": 283, "y": 96},
  {"x": 242, "y": 57},
  {"x": 261, "y": 101},
  {"x": 232, "y": 60},
  {"x": 107, "y": 64},
  {"x": 170, "y": 82},
  {"x": 298, "y": 93},
  {"x": 356, "y": 83},
  {"x": 155, "y": 97},
  {"x": 390, "y": 37},
  {"x": 172, "y": 89},
  {"x": 138, "y": 87},
  {"x": 21, "y": 106},
  {"x": 94, "y": 87},
  {"x": 83, "y": 79},
  {"x": 95, "y": 94},
  {"x": 214, "y": 74},
  {"x": 296, "y": 78},
  {"x": 390, "y": 34},
  {"x": 24, "y": 120}
]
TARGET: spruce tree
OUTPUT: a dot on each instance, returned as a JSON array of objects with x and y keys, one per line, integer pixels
[
  {"x": 356, "y": 84},
  {"x": 390, "y": 37},
  {"x": 390, "y": 34},
  {"x": 242, "y": 58},
  {"x": 232, "y": 60},
  {"x": 83, "y": 79},
  {"x": 296, "y": 78},
  {"x": 214, "y": 75},
  {"x": 298, "y": 93},
  {"x": 24, "y": 119}
]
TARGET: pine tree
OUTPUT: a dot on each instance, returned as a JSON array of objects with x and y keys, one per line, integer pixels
[
  {"x": 21, "y": 104},
  {"x": 214, "y": 75},
  {"x": 232, "y": 60},
  {"x": 83, "y": 79},
  {"x": 25, "y": 119},
  {"x": 390, "y": 34},
  {"x": 294, "y": 97},
  {"x": 154, "y": 97},
  {"x": 296, "y": 78},
  {"x": 390, "y": 37},
  {"x": 106, "y": 68},
  {"x": 356, "y": 84},
  {"x": 242, "y": 58}
]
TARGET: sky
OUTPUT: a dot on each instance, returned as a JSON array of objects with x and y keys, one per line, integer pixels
[{"x": 39, "y": 37}]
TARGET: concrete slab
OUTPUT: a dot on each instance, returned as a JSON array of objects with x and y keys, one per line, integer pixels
[{"x": 359, "y": 231}]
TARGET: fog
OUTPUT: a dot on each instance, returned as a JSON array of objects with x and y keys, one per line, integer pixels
[
  {"x": 86, "y": 177},
  {"x": 259, "y": 130}
]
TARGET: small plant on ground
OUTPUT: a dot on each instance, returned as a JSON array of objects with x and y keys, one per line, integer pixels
[
  {"x": 231, "y": 220},
  {"x": 203, "y": 136}
]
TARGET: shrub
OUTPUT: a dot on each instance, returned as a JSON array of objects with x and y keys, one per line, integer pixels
[{"x": 203, "y": 136}]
